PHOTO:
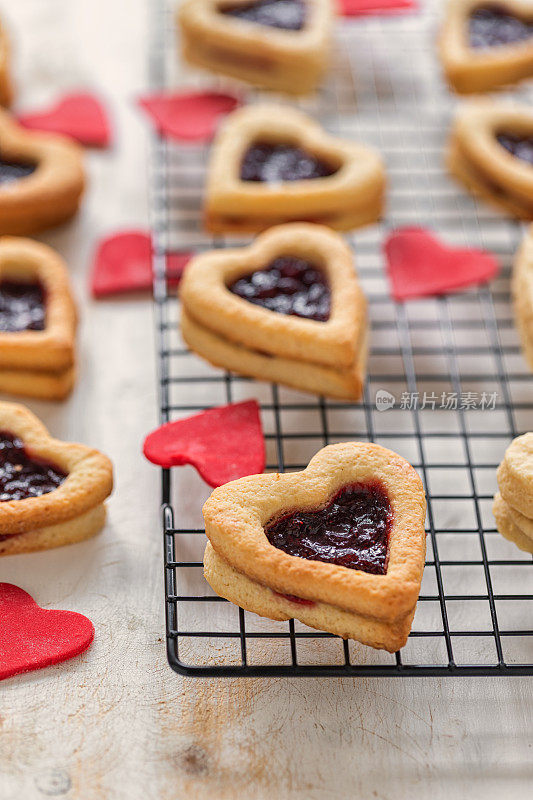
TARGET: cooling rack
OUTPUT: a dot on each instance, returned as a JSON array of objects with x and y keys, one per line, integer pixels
[{"x": 452, "y": 366}]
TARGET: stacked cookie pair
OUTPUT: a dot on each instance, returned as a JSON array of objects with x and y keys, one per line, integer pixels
[
  {"x": 41, "y": 184},
  {"x": 272, "y": 164},
  {"x": 483, "y": 46},
  {"x": 52, "y": 493},
  {"x": 37, "y": 321},
  {"x": 513, "y": 504},
  {"x": 282, "y": 45},
  {"x": 339, "y": 546},
  {"x": 491, "y": 152},
  {"x": 288, "y": 309},
  {"x": 486, "y": 44}
]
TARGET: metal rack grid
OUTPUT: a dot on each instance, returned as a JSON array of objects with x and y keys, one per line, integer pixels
[{"x": 474, "y": 611}]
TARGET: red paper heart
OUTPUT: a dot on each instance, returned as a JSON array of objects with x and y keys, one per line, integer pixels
[
  {"x": 190, "y": 116},
  {"x": 123, "y": 263},
  {"x": 357, "y": 8},
  {"x": 223, "y": 443},
  {"x": 420, "y": 265},
  {"x": 32, "y": 637},
  {"x": 80, "y": 116}
]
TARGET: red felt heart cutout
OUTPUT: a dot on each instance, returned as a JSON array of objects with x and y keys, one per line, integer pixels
[
  {"x": 80, "y": 116},
  {"x": 223, "y": 443},
  {"x": 32, "y": 637},
  {"x": 420, "y": 265},
  {"x": 357, "y": 8},
  {"x": 123, "y": 263},
  {"x": 189, "y": 116}
]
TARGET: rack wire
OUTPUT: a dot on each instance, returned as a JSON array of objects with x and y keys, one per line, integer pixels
[{"x": 474, "y": 612}]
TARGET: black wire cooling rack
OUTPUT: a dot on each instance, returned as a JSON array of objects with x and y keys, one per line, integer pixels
[{"x": 453, "y": 366}]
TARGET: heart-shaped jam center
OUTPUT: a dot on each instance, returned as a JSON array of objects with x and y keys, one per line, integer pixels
[
  {"x": 273, "y": 163},
  {"x": 495, "y": 26},
  {"x": 519, "y": 146},
  {"x": 22, "y": 306},
  {"x": 352, "y": 530},
  {"x": 11, "y": 171},
  {"x": 286, "y": 14},
  {"x": 287, "y": 285},
  {"x": 22, "y": 476}
]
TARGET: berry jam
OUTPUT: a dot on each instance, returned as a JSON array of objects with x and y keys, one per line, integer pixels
[
  {"x": 294, "y": 599},
  {"x": 519, "y": 146},
  {"x": 22, "y": 306},
  {"x": 287, "y": 285},
  {"x": 496, "y": 26},
  {"x": 352, "y": 530},
  {"x": 273, "y": 163},
  {"x": 22, "y": 476},
  {"x": 11, "y": 171},
  {"x": 286, "y": 14}
]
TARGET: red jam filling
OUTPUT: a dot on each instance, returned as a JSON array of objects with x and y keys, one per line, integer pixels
[
  {"x": 288, "y": 285},
  {"x": 22, "y": 306},
  {"x": 273, "y": 163},
  {"x": 301, "y": 601},
  {"x": 352, "y": 530},
  {"x": 11, "y": 171},
  {"x": 496, "y": 26},
  {"x": 519, "y": 146},
  {"x": 22, "y": 476},
  {"x": 286, "y": 14}
]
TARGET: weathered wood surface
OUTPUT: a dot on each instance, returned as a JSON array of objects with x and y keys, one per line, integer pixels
[{"x": 116, "y": 722}]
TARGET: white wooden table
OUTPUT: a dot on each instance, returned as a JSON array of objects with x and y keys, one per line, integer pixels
[{"x": 116, "y": 722}]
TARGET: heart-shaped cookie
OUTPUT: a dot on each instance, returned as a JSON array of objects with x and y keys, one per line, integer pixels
[
  {"x": 272, "y": 164},
  {"x": 51, "y": 492},
  {"x": 223, "y": 443},
  {"x": 491, "y": 153},
  {"x": 41, "y": 178},
  {"x": 288, "y": 308},
  {"x": 340, "y": 546},
  {"x": 6, "y": 89},
  {"x": 420, "y": 265},
  {"x": 37, "y": 321},
  {"x": 277, "y": 44},
  {"x": 80, "y": 115},
  {"x": 32, "y": 637},
  {"x": 485, "y": 45},
  {"x": 522, "y": 291}
]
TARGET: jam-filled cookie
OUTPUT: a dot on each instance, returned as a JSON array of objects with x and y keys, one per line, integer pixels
[
  {"x": 37, "y": 321},
  {"x": 6, "y": 89},
  {"x": 522, "y": 291},
  {"x": 491, "y": 153},
  {"x": 339, "y": 546},
  {"x": 276, "y": 44},
  {"x": 41, "y": 178},
  {"x": 273, "y": 164},
  {"x": 487, "y": 43},
  {"x": 51, "y": 493},
  {"x": 288, "y": 309}
]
